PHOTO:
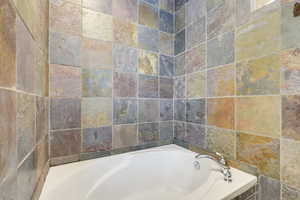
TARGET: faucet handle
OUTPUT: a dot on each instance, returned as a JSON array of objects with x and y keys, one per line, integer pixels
[{"x": 221, "y": 158}]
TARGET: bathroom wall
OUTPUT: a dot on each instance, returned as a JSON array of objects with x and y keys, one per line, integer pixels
[
  {"x": 111, "y": 76},
  {"x": 237, "y": 89},
  {"x": 23, "y": 98}
]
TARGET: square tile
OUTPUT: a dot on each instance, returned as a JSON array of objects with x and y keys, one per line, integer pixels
[
  {"x": 148, "y": 110},
  {"x": 196, "y": 111},
  {"x": 166, "y": 66},
  {"x": 166, "y": 42},
  {"x": 148, "y": 86},
  {"x": 96, "y": 83},
  {"x": 148, "y": 38},
  {"x": 196, "y": 33},
  {"x": 125, "y": 136},
  {"x": 148, "y": 15},
  {"x": 148, "y": 133},
  {"x": 125, "y": 32},
  {"x": 259, "y": 115},
  {"x": 65, "y": 81},
  {"x": 166, "y": 110},
  {"x": 180, "y": 110},
  {"x": 166, "y": 88},
  {"x": 195, "y": 59},
  {"x": 65, "y": 113},
  {"x": 289, "y": 193},
  {"x": 196, "y": 135},
  {"x": 125, "y": 84},
  {"x": 97, "y": 25},
  {"x": 166, "y": 130},
  {"x": 168, "y": 5},
  {"x": 148, "y": 62},
  {"x": 195, "y": 9},
  {"x": 259, "y": 77},
  {"x": 179, "y": 4},
  {"x": 41, "y": 117},
  {"x": 125, "y": 59},
  {"x": 262, "y": 152},
  {"x": 96, "y": 112},
  {"x": 180, "y": 19},
  {"x": 196, "y": 85},
  {"x": 125, "y": 9},
  {"x": 179, "y": 42},
  {"x": 269, "y": 188},
  {"x": 180, "y": 65},
  {"x": 97, "y": 139},
  {"x": 179, "y": 87},
  {"x": 125, "y": 111},
  {"x": 179, "y": 130},
  {"x": 104, "y": 6},
  {"x": 166, "y": 21},
  {"x": 220, "y": 112}
]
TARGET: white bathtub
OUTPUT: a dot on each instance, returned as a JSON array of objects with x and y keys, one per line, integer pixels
[{"x": 162, "y": 173}]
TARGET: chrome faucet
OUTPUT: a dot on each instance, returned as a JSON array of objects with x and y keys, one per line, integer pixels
[{"x": 221, "y": 161}]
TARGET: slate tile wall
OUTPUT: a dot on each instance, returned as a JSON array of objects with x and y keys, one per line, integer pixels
[{"x": 236, "y": 87}]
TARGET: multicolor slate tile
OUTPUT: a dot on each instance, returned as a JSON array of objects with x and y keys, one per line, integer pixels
[
  {"x": 8, "y": 188},
  {"x": 259, "y": 77},
  {"x": 96, "y": 54},
  {"x": 195, "y": 59},
  {"x": 166, "y": 88},
  {"x": 179, "y": 4},
  {"x": 263, "y": 152},
  {"x": 269, "y": 188},
  {"x": 125, "y": 136},
  {"x": 65, "y": 17},
  {"x": 290, "y": 117},
  {"x": 65, "y": 113},
  {"x": 221, "y": 50},
  {"x": 152, "y": 2},
  {"x": 64, "y": 49},
  {"x": 243, "y": 11},
  {"x": 65, "y": 81},
  {"x": 166, "y": 66},
  {"x": 97, "y": 139},
  {"x": 8, "y": 45},
  {"x": 65, "y": 143},
  {"x": 125, "y": 84},
  {"x": 221, "y": 112},
  {"x": 125, "y": 59},
  {"x": 41, "y": 117},
  {"x": 290, "y": 161},
  {"x": 168, "y": 5},
  {"x": 125, "y": 111},
  {"x": 166, "y": 43},
  {"x": 290, "y": 71},
  {"x": 26, "y": 133},
  {"x": 148, "y": 110},
  {"x": 196, "y": 111},
  {"x": 148, "y": 86},
  {"x": 96, "y": 83},
  {"x": 221, "y": 81},
  {"x": 97, "y": 25},
  {"x": 179, "y": 42},
  {"x": 180, "y": 19},
  {"x": 148, "y": 39},
  {"x": 179, "y": 130},
  {"x": 166, "y": 130},
  {"x": 125, "y": 32},
  {"x": 220, "y": 17},
  {"x": 195, "y": 9},
  {"x": 259, "y": 115},
  {"x": 148, "y": 62},
  {"x": 96, "y": 112},
  {"x": 179, "y": 87},
  {"x": 180, "y": 65},
  {"x": 166, "y": 21},
  {"x": 148, "y": 132},
  {"x": 180, "y": 110},
  {"x": 289, "y": 193},
  {"x": 166, "y": 110},
  {"x": 104, "y": 6},
  {"x": 148, "y": 15},
  {"x": 196, "y": 33},
  {"x": 125, "y": 9},
  {"x": 196, "y": 84},
  {"x": 196, "y": 135}
]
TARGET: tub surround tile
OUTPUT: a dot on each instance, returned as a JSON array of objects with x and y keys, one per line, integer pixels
[
  {"x": 259, "y": 77},
  {"x": 96, "y": 112},
  {"x": 195, "y": 59},
  {"x": 196, "y": 33},
  {"x": 148, "y": 132},
  {"x": 96, "y": 83},
  {"x": 195, "y": 10},
  {"x": 8, "y": 188},
  {"x": 196, "y": 135},
  {"x": 166, "y": 110},
  {"x": 96, "y": 25},
  {"x": 179, "y": 130},
  {"x": 196, "y": 85},
  {"x": 42, "y": 157},
  {"x": 125, "y": 59},
  {"x": 290, "y": 71},
  {"x": 125, "y": 111},
  {"x": 148, "y": 110},
  {"x": 263, "y": 152},
  {"x": 179, "y": 4},
  {"x": 42, "y": 117},
  {"x": 148, "y": 39},
  {"x": 166, "y": 130},
  {"x": 125, "y": 32},
  {"x": 65, "y": 113},
  {"x": 152, "y": 2},
  {"x": 65, "y": 81},
  {"x": 148, "y": 86},
  {"x": 180, "y": 65},
  {"x": 179, "y": 87},
  {"x": 259, "y": 115},
  {"x": 26, "y": 133},
  {"x": 65, "y": 144},
  {"x": 8, "y": 146},
  {"x": 166, "y": 43},
  {"x": 125, "y": 136},
  {"x": 125, "y": 84},
  {"x": 166, "y": 21},
  {"x": 96, "y": 54},
  {"x": 104, "y": 6},
  {"x": 97, "y": 139},
  {"x": 168, "y": 5},
  {"x": 269, "y": 188},
  {"x": 290, "y": 162},
  {"x": 65, "y": 17},
  {"x": 180, "y": 110},
  {"x": 221, "y": 81},
  {"x": 196, "y": 111},
  {"x": 289, "y": 193},
  {"x": 179, "y": 42},
  {"x": 166, "y": 88},
  {"x": 180, "y": 19},
  {"x": 148, "y": 15},
  {"x": 290, "y": 117},
  {"x": 243, "y": 12},
  {"x": 126, "y": 9},
  {"x": 64, "y": 49},
  {"x": 166, "y": 66},
  {"x": 148, "y": 63},
  {"x": 8, "y": 45}
]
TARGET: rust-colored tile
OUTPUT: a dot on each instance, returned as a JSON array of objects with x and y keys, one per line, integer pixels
[
  {"x": 220, "y": 112},
  {"x": 125, "y": 32},
  {"x": 259, "y": 115},
  {"x": 263, "y": 152}
]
